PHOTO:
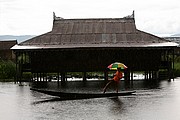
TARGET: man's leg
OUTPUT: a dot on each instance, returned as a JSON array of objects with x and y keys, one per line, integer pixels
[
  {"x": 104, "y": 90},
  {"x": 117, "y": 86}
]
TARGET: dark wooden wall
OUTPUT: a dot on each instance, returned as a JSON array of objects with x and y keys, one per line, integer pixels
[{"x": 79, "y": 60}]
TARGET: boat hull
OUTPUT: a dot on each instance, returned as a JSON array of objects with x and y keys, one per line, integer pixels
[{"x": 66, "y": 95}]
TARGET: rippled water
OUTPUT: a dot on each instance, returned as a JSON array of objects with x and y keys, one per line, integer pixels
[{"x": 151, "y": 102}]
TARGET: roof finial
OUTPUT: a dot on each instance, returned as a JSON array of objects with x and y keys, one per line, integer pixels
[
  {"x": 56, "y": 18},
  {"x": 133, "y": 14},
  {"x": 54, "y": 15},
  {"x": 130, "y": 16}
]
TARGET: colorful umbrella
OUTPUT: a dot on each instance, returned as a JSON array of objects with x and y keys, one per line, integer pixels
[{"x": 116, "y": 65}]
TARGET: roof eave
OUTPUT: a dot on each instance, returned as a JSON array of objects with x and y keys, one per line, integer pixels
[{"x": 155, "y": 45}]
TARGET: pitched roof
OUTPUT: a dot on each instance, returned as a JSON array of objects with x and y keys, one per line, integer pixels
[
  {"x": 107, "y": 32},
  {"x": 6, "y": 45}
]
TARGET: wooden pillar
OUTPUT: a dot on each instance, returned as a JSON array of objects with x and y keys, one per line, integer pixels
[
  {"x": 40, "y": 76},
  {"x": 173, "y": 66},
  {"x": 20, "y": 62},
  {"x": 58, "y": 78},
  {"x": 63, "y": 78},
  {"x": 152, "y": 75},
  {"x": 145, "y": 75},
  {"x": 84, "y": 77},
  {"x": 43, "y": 77},
  {"x": 127, "y": 79},
  {"x": 155, "y": 75},
  {"x": 46, "y": 77},
  {"x": 37, "y": 77},
  {"x": 126, "y": 75},
  {"x": 169, "y": 73},
  {"x": 131, "y": 75},
  {"x": 149, "y": 74},
  {"x": 16, "y": 78},
  {"x": 33, "y": 77},
  {"x": 106, "y": 75}
]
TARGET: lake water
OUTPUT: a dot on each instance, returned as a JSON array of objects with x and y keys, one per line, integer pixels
[{"x": 159, "y": 101}]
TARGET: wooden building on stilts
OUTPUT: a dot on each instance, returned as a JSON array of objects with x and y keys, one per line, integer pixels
[{"x": 89, "y": 45}]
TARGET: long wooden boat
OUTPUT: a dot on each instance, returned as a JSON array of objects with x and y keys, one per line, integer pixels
[{"x": 66, "y": 95}]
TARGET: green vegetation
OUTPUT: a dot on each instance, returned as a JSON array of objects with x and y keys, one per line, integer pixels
[
  {"x": 7, "y": 70},
  {"x": 177, "y": 66}
]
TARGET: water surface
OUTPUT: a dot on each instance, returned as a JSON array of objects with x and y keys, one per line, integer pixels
[{"x": 159, "y": 101}]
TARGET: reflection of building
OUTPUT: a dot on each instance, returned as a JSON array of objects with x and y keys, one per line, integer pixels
[
  {"x": 86, "y": 45},
  {"x": 5, "y": 51}
]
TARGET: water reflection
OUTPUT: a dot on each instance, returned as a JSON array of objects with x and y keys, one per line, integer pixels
[
  {"x": 97, "y": 86},
  {"x": 116, "y": 106},
  {"x": 48, "y": 100}
]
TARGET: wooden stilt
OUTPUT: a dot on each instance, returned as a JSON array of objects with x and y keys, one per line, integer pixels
[
  {"x": 15, "y": 80},
  {"x": 40, "y": 76},
  {"x": 127, "y": 75},
  {"x": 43, "y": 76},
  {"x": 127, "y": 79},
  {"x": 46, "y": 76},
  {"x": 84, "y": 77},
  {"x": 173, "y": 65},
  {"x": 149, "y": 75},
  {"x": 106, "y": 75},
  {"x": 145, "y": 77},
  {"x": 37, "y": 77},
  {"x": 131, "y": 75},
  {"x": 63, "y": 78},
  {"x": 58, "y": 78}
]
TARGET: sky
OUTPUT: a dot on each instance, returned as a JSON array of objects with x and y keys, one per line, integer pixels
[{"x": 35, "y": 17}]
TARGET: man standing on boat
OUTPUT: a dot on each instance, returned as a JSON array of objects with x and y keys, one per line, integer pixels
[{"x": 116, "y": 80}]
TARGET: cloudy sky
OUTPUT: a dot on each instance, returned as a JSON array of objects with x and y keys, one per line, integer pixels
[{"x": 35, "y": 17}]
